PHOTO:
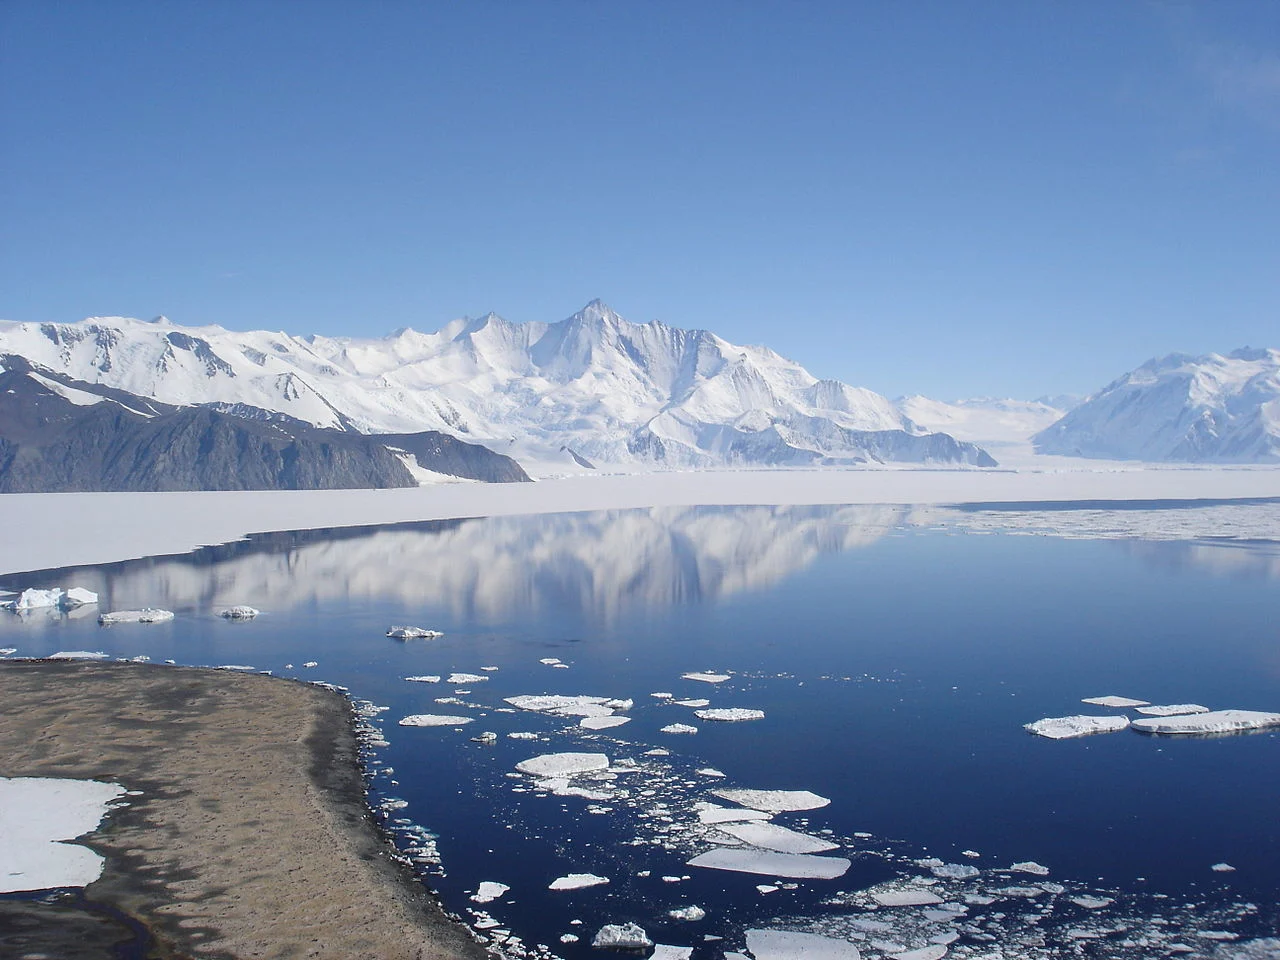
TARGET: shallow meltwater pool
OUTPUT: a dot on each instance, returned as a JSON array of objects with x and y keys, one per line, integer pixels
[{"x": 798, "y": 731}]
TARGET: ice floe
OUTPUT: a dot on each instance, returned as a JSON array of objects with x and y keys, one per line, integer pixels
[
  {"x": 729, "y": 714},
  {"x": 433, "y": 720},
  {"x": 770, "y": 836},
  {"x": 1064, "y": 728},
  {"x": 1111, "y": 701},
  {"x": 413, "y": 633},
  {"x": 1031, "y": 867},
  {"x": 785, "y": 945},
  {"x": 1172, "y": 710},
  {"x": 769, "y": 864},
  {"x": 145, "y": 615},
  {"x": 239, "y": 613},
  {"x": 774, "y": 801},
  {"x": 430, "y": 678},
  {"x": 456, "y": 678},
  {"x": 706, "y": 677},
  {"x": 563, "y": 764},
  {"x": 1222, "y": 868},
  {"x": 622, "y": 936},
  {"x": 78, "y": 655},
  {"x": 665, "y": 951},
  {"x": 678, "y": 728},
  {"x": 1215, "y": 721},
  {"x": 602, "y": 723},
  {"x": 690, "y": 914},
  {"x": 712, "y": 813},
  {"x": 577, "y": 881},
  {"x": 563, "y": 706},
  {"x": 692, "y": 703},
  {"x": 488, "y": 891},
  {"x": 36, "y": 815},
  {"x": 906, "y": 898}
]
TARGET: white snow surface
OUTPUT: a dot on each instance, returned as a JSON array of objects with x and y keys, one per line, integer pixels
[
  {"x": 795, "y": 866},
  {"x": 785, "y": 945},
  {"x": 1215, "y": 721},
  {"x": 577, "y": 881},
  {"x": 1066, "y": 728},
  {"x": 610, "y": 391},
  {"x": 770, "y": 836},
  {"x": 563, "y": 764},
  {"x": 434, "y": 720},
  {"x": 1180, "y": 408},
  {"x": 774, "y": 801},
  {"x": 36, "y": 814},
  {"x": 46, "y": 531}
]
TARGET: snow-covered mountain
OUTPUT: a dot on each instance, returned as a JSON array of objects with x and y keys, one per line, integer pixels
[
  {"x": 982, "y": 420},
  {"x": 593, "y": 388},
  {"x": 1180, "y": 407}
]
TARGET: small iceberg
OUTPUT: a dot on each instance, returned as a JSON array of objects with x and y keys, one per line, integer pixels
[
  {"x": 1172, "y": 710},
  {"x": 678, "y": 728},
  {"x": 563, "y": 764},
  {"x": 1215, "y": 721},
  {"x": 456, "y": 678},
  {"x": 622, "y": 936},
  {"x": 433, "y": 720},
  {"x": 706, "y": 677},
  {"x": 239, "y": 613},
  {"x": 795, "y": 866},
  {"x": 145, "y": 615},
  {"x": 1115, "y": 702},
  {"x": 34, "y": 599},
  {"x": 785, "y": 945},
  {"x": 488, "y": 891},
  {"x": 729, "y": 714},
  {"x": 689, "y": 914},
  {"x": 78, "y": 597},
  {"x": 774, "y": 801},
  {"x": 1064, "y": 728},
  {"x": 413, "y": 633},
  {"x": 577, "y": 881}
]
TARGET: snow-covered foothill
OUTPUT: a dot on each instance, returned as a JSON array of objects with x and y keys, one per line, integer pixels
[
  {"x": 1213, "y": 722},
  {"x": 145, "y": 615},
  {"x": 774, "y": 801},
  {"x": 706, "y": 677},
  {"x": 621, "y": 936},
  {"x": 1117, "y": 702},
  {"x": 1172, "y": 709},
  {"x": 37, "y": 814},
  {"x": 1065, "y": 728},
  {"x": 797, "y": 866},
  {"x": 577, "y": 881},
  {"x": 786, "y": 945},
  {"x": 770, "y": 836},
  {"x": 563, "y": 764},
  {"x": 729, "y": 714},
  {"x": 488, "y": 891},
  {"x": 239, "y": 613},
  {"x": 413, "y": 633},
  {"x": 433, "y": 720}
]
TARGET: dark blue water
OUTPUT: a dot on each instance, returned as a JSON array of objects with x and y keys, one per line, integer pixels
[{"x": 895, "y": 668}]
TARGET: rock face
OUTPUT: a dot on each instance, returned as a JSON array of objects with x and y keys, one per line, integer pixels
[
  {"x": 1213, "y": 408},
  {"x": 56, "y": 437},
  {"x": 592, "y": 389}
]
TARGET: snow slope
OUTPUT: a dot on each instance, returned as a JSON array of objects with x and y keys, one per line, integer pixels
[
  {"x": 594, "y": 385},
  {"x": 981, "y": 420},
  {"x": 1210, "y": 408}
]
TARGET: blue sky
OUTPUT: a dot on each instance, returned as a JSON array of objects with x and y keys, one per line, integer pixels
[{"x": 957, "y": 199}]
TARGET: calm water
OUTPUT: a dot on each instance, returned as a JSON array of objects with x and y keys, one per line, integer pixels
[{"x": 895, "y": 667}]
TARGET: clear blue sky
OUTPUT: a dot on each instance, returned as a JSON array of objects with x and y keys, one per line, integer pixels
[{"x": 949, "y": 198}]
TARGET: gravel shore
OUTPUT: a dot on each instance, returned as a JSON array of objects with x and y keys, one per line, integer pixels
[{"x": 250, "y": 838}]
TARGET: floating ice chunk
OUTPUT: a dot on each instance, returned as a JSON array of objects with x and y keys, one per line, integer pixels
[
  {"x": 692, "y": 703},
  {"x": 678, "y": 728},
  {"x": 8, "y": 651},
  {"x": 487, "y": 737},
  {"x": 775, "y": 801},
  {"x": 78, "y": 655},
  {"x": 36, "y": 815},
  {"x": 1092, "y": 903},
  {"x": 78, "y": 597},
  {"x": 665, "y": 951},
  {"x": 243, "y": 668},
  {"x": 770, "y": 836},
  {"x": 602, "y": 723},
  {"x": 488, "y": 891},
  {"x": 661, "y": 752},
  {"x": 239, "y": 613},
  {"x": 954, "y": 871},
  {"x": 766, "y": 888},
  {"x": 1064, "y": 728},
  {"x": 1116, "y": 702},
  {"x": 706, "y": 677},
  {"x": 709, "y": 772},
  {"x": 550, "y": 661},
  {"x": 145, "y": 615},
  {"x": 413, "y": 633},
  {"x": 489, "y": 669},
  {"x": 662, "y": 696},
  {"x": 785, "y": 945},
  {"x": 426, "y": 679},
  {"x": 456, "y": 678},
  {"x": 577, "y": 881},
  {"x": 433, "y": 720},
  {"x": 729, "y": 714},
  {"x": 1031, "y": 867},
  {"x": 1215, "y": 721},
  {"x": 691, "y": 914},
  {"x": 622, "y": 936},
  {"x": 309, "y": 664},
  {"x": 563, "y": 706},
  {"x": 905, "y": 898},
  {"x": 1172, "y": 710},
  {"x": 1222, "y": 868},
  {"x": 797, "y": 866},
  {"x": 620, "y": 704},
  {"x": 568, "y": 938},
  {"x": 713, "y": 813},
  {"x": 34, "y": 599},
  {"x": 934, "y": 951},
  {"x": 563, "y": 764},
  {"x": 522, "y": 735}
]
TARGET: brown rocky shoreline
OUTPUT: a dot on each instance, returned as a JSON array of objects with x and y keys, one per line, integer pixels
[{"x": 250, "y": 837}]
